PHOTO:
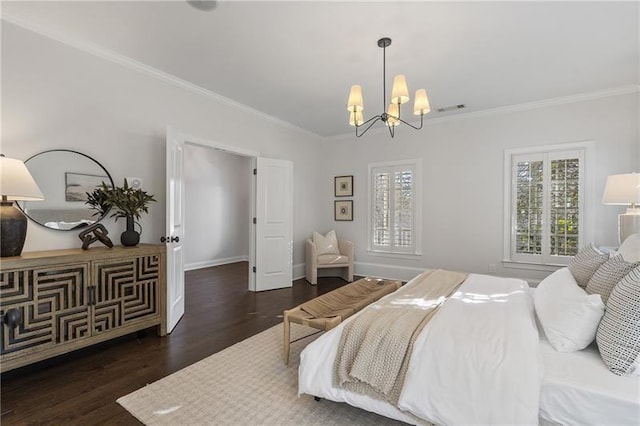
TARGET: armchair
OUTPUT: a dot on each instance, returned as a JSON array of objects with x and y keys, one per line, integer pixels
[{"x": 315, "y": 262}]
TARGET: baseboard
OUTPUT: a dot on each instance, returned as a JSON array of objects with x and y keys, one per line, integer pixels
[
  {"x": 215, "y": 262},
  {"x": 391, "y": 272},
  {"x": 299, "y": 271}
]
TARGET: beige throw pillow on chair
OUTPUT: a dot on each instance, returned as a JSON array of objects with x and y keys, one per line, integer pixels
[{"x": 327, "y": 244}]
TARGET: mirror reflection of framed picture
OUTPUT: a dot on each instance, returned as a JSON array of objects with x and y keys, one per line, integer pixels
[
  {"x": 78, "y": 184},
  {"x": 343, "y": 186},
  {"x": 343, "y": 210}
]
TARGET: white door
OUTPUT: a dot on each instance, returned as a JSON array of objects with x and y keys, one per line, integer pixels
[
  {"x": 274, "y": 224},
  {"x": 175, "y": 229}
]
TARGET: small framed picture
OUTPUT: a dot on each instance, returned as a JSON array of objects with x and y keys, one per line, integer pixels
[
  {"x": 343, "y": 210},
  {"x": 343, "y": 186}
]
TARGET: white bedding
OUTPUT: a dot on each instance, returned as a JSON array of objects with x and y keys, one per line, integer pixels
[
  {"x": 497, "y": 328},
  {"x": 578, "y": 389}
]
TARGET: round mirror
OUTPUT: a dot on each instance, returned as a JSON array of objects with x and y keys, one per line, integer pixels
[{"x": 64, "y": 177}]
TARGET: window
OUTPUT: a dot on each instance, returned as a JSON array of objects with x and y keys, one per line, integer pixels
[
  {"x": 394, "y": 207},
  {"x": 544, "y": 204}
]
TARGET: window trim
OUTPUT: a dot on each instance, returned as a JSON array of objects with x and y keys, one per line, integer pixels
[
  {"x": 586, "y": 214},
  {"x": 417, "y": 209}
]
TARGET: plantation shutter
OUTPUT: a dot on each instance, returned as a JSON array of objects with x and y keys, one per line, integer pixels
[
  {"x": 393, "y": 210},
  {"x": 547, "y": 199},
  {"x": 382, "y": 209}
]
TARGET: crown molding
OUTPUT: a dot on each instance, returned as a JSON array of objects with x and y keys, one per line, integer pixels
[
  {"x": 132, "y": 64},
  {"x": 581, "y": 97},
  {"x": 545, "y": 103}
]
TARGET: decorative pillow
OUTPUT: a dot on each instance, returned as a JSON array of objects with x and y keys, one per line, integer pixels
[
  {"x": 608, "y": 275},
  {"x": 586, "y": 263},
  {"x": 618, "y": 335},
  {"x": 630, "y": 248},
  {"x": 327, "y": 244},
  {"x": 569, "y": 316},
  {"x": 635, "y": 368}
]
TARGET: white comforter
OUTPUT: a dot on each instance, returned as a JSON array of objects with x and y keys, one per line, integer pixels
[{"x": 476, "y": 362}]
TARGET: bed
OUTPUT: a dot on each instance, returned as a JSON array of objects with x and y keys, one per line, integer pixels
[{"x": 483, "y": 359}]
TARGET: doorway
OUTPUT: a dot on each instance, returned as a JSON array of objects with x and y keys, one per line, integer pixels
[
  {"x": 218, "y": 210},
  {"x": 271, "y": 225}
]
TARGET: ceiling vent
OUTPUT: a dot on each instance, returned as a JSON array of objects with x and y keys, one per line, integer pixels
[{"x": 451, "y": 108}]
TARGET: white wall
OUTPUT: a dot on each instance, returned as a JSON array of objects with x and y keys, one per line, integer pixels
[
  {"x": 56, "y": 96},
  {"x": 217, "y": 207},
  {"x": 462, "y": 188}
]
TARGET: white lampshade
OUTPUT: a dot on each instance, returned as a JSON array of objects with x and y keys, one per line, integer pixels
[
  {"x": 355, "y": 102},
  {"x": 622, "y": 190},
  {"x": 394, "y": 113},
  {"x": 355, "y": 118},
  {"x": 421, "y": 103},
  {"x": 16, "y": 183},
  {"x": 400, "y": 92}
]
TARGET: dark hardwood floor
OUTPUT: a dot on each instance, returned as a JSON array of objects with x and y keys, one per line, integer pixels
[{"x": 82, "y": 387}]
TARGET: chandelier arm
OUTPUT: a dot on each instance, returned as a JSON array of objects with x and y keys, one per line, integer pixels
[
  {"x": 375, "y": 117},
  {"x": 373, "y": 121},
  {"x": 411, "y": 125},
  {"x": 392, "y": 131}
]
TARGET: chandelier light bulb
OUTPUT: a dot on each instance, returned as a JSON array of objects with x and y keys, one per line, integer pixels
[
  {"x": 355, "y": 102},
  {"x": 355, "y": 118},
  {"x": 399, "y": 92},
  {"x": 393, "y": 112},
  {"x": 421, "y": 104}
]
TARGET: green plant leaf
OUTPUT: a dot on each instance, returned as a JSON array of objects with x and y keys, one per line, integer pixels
[{"x": 124, "y": 200}]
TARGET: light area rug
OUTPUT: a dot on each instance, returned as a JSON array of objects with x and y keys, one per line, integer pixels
[{"x": 245, "y": 384}]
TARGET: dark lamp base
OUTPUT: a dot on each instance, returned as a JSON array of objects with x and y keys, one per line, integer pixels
[{"x": 13, "y": 229}]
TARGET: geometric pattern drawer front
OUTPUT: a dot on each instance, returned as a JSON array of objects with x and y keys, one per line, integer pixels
[
  {"x": 53, "y": 303},
  {"x": 126, "y": 291}
]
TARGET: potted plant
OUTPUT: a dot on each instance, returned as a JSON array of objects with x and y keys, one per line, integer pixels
[{"x": 126, "y": 202}]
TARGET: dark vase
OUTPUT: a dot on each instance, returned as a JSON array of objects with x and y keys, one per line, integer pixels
[{"x": 130, "y": 237}]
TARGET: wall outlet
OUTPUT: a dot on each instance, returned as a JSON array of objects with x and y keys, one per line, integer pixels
[
  {"x": 134, "y": 182},
  {"x": 492, "y": 268}
]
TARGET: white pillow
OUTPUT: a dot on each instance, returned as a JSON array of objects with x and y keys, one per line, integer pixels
[
  {"x": 630, "y": 248},
  {"x": 569, "y": 316},
  {"x": 327, "y": 244}
]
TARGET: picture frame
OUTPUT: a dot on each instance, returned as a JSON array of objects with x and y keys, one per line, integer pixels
[
  {"x": 76, "y": 185},
  {"x": 343, "y": 186},
  {"x": 343, "y": 210}
]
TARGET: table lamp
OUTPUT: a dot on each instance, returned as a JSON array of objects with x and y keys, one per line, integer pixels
[
  {"x": 624, "y": 190},
  {"x": 16, "y": 183}
]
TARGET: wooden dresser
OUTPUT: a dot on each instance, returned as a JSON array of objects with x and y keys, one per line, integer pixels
[{"x": 53, "y": 302}]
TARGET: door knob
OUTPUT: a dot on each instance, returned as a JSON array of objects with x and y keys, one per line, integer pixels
[{"x": 169, "y": 239}]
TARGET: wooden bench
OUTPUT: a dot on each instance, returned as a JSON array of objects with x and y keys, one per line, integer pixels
[{"x": 327, "y": 311}]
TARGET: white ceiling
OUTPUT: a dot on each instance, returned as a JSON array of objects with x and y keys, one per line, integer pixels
[{"x": 296, "y": 60}]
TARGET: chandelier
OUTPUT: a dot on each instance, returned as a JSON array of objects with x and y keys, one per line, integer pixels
[{"x": 399, "y": 96}]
